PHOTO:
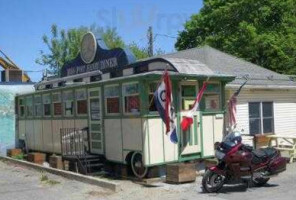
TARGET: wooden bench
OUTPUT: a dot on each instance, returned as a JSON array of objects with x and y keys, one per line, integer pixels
[{"x": 289, "y": 146}]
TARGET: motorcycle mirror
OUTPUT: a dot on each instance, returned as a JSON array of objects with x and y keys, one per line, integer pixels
[{"x": 216, "y": 145}]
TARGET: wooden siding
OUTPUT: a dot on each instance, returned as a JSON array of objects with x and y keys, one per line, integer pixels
[{"x": 284, "y": 105}]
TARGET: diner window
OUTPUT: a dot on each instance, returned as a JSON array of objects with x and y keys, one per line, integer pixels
[
  {"x": 212, "y": 97},
  {"x": 22, "y": 107},
  {"x": 188, "y": 95},
  {"x": 46, "y": 104},
  {"x": 261, "y": 119},
  {"x": 112, "y": 100},
  {"x": 57, "y": 104},
  {"x": 152, "y": 89},
  {"x": 131, "y": 98},
  {"x": 81, "y": 102},
  {"x": 68, "y": 103},
  {"x": 29, "y": 106},
  {"x": 37, "y": 106}
]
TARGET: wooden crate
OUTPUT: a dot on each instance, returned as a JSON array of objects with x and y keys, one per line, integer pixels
[
  {"x": 56, "y": 162},
  {"x": 180, "y": 173},
  {"x": 13, "y": 152},
  {"x": 37, "y": 158}
]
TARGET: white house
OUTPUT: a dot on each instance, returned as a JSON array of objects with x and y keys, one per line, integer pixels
[{"x": 267, "y": 103}]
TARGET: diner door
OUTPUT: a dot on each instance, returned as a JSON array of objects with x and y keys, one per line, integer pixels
[
  {"x": 95, "y": 121},
  {"x": 190, "y": 139}
]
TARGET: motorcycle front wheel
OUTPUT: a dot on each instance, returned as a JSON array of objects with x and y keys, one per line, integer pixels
[{"x": 212, "y": 182}]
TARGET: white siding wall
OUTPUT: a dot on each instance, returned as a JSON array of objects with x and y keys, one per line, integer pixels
[{"x": 284, "y": 109}]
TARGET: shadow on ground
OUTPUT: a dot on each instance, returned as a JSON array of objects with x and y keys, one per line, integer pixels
[{"x": 228, "y": 189}]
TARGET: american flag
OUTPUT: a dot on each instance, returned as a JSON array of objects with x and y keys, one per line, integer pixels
[{"x": 232, "y": 106}]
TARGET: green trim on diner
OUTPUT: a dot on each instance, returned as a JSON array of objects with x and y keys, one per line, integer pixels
[{"x": 190, "y": 157}]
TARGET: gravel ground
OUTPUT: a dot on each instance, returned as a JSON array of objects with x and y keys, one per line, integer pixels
[{"x": 22, "y": 183}]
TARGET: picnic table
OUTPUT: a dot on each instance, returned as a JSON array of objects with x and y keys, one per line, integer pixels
[{"x": 289, "y": 145}]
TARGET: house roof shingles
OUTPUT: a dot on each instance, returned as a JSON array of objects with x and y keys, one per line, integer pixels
[{"x": 223, "y": 63}]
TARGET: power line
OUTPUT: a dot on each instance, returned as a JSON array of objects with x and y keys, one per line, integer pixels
[
  {"x": 33, "y": 71},
  {"x": 165, "y": 35}
]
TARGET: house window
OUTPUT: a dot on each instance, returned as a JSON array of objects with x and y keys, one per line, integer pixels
[
  {"x": 81, "y": 102},
  {"x": 38, "y": 106},
  {"x": 261, "y": 119},
  {"x": 29, "y": 105},
  {"x": 131, "y": 98},
  {"x": 112, "y": 100},
  {"x": 188, "y": 95},
  {"x": 57, "y": 104},
  {"x": 212, "y": 97},
  {"x": 46, "y": 104},
  {"x": 68, "y": 103}
]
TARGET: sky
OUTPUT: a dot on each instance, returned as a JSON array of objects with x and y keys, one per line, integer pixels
[{"x": 24, "y": 22}]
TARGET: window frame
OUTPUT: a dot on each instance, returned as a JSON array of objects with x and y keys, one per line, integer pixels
[
  {"x": 58, "y": 101},
  {"x": 213, "y": 93},
  {"x": 76, "y": 102},
  {"x": 261, "y": 117},
  {"x": 152, "y": 93},
  {"x": 135, "y": 94},
  {"x": 22, "y": 105},
  {"x": 65, "y": 101},
  {"x": 188, "y": 83},
  {"x": 40, "y": 104},
  {"x": 50, "y": 105},
  {"x": 27, "y": 106},
  {"x": 105, "y": 100}
]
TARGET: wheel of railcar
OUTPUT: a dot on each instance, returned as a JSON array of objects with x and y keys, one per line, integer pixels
[{"x": 137, "y": 165}]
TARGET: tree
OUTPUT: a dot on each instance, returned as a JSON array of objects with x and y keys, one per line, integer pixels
[
  {"x": 64, "y": 45},
  {"x": 262, "y": 32}
]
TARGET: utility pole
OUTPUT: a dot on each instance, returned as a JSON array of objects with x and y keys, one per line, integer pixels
[{"x": 150, "y": 41}]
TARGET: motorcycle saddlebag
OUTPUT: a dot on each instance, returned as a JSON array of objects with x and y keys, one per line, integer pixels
[{"x": 277, "y": 165}]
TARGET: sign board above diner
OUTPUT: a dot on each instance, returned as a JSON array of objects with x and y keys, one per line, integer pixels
[{"x": 93, "y": 57}]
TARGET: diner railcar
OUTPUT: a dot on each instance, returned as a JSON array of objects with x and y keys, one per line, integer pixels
[{"x": 113, "y": 97}]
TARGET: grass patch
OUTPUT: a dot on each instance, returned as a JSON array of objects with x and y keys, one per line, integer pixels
[{"x": 44, "y": 179}]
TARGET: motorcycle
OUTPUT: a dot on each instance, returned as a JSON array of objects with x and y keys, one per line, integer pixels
[{"x": 241, "y": 163}]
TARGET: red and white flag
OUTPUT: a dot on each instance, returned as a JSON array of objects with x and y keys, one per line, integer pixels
[
  {"x": 164, "y": 103},
  {"x": 188, "y": 119},
  {"x": 232, "y": 106}
]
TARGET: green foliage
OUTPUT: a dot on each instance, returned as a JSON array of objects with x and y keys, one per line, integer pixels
[
  {"x": 19, "y": 156},
  {"x": 64, "y": 45},
  {"x": 262, "y": 32}
]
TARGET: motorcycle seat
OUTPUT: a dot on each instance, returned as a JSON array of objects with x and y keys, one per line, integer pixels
[{"x": 261, "y": 155}]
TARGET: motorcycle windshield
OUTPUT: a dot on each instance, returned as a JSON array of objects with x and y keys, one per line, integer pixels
[{"x": 231, "y": 140}]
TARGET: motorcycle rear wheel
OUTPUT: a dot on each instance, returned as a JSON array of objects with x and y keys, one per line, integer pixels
[{"x": 212, "y": 182}]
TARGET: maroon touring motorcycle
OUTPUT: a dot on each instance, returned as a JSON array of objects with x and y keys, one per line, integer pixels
[{"x": 240, "y": 163}]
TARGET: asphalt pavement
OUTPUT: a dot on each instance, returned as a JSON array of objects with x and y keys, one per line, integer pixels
[{"x": 20, "y": 183}]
